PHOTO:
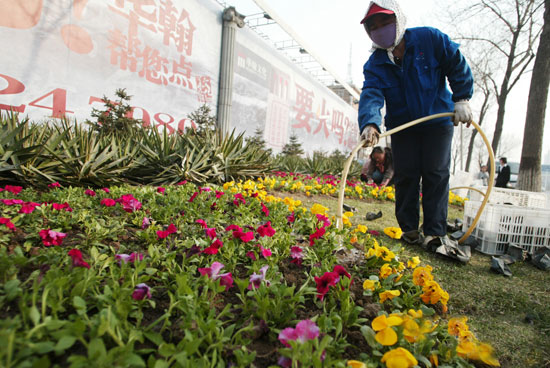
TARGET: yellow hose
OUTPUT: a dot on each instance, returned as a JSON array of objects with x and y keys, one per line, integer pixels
[{"x": 347, "y": 164}]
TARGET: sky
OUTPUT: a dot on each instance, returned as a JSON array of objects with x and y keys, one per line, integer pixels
[{"x": 332, "y": 28}]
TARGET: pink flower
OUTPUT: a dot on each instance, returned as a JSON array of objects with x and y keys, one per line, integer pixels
[
  {"x": 161, "y": 190},
  {"x": 213, "y": 272},
  {"x": 129, "y": 203},
  {"x": 28, "y": 207},
  {"x": 128, "y": 258},
  {"x": 106, "y": 190},
  {"x": 266, "y": 230},
  {"x": 290, "y": 218},
  {"x": 219, "y": 194},
  {"x": 341, "y": 271},
  {"x": 6, "y": 221},
  {"x": 250, "y": 254},
  {"x": 183, "y": 182},
  {"x": 210, "y": 232},
  {"x": 13, "y": 189},
  {"x": 214, "y": 247},
  {"x": 316, "y": 235},
  {"x": 238, "y": 199},
  {"x": 374, "y": 232},
  {"x": 205, "y": 189},
  {"x": 296, "y": 253},
  {"x": 89, "y": 192},
  {"x": 323, "y": 219},
  {"x": 141, "y": 292},
  {"x": 202, "y": 223},
  {"x": 76, "y": 257},
  {"x": 265, "y": 252},
  {"x": 192, "y": 198},
  {"x": 325, "y": 282},
  {"x": 256, "y": 279},
  {"x": 305, "y": 330},
  {"x": 145, "y": 223},
  {"x": 244, "y": 237},
  {"x": 233, "y": 227},
  {"x": 170, "y": 230},
  {"x": 54, "y": 185},
  {"x": 50, "y": 237},
  {"x": 265, "y": 210},
  {"x": 107, "y": 202},
  {"x": 213, "y": 206},
  {"x": 65, "y": 206},
  {"x": 11, "y": 202}
]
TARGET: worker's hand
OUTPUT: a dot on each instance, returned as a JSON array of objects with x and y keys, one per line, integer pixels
[
  {"x": 463, "y": 113},
  {"x": 370, "y": 136}
]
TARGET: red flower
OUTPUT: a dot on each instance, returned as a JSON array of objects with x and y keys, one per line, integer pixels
[
  {"x": 193, "y": 196},
  {"x": 11, "y": 202},
  {"x": 65, "y": 206},
  {"x": 202, "y": 223},
  {"x": 129, "y": 203},
  {"x": 341, "y": 271},
  {"x": 238, "y": 199},
  {"x": 6, "y": 221},
  {"x": 28, "y": 207},
  {"x": 265, "y": 210},
  {"x": 50, "y": 237},
  {"x": 161, "y": 190},
  {"x": 233, "y": 227},
  {"x": 54, "y": 185},
  {"x": 244, "y": 237},
  {"x": 210, "y": 232},
  {"x": 219, "y": 194},
  {"x": 108, "y": 202},
  {"x": 13, "y": 189},
  {"x": 325, "y": 282},
  {"x": 106, "y": 190},
  {"x": 89, "y": 192},
  {"x": 182, "y": 182},
  {"x": 76, "y": 256},
  {"x": 170, "y": 230},
  {"x": 250, "y": 254},
  {"x": 141, "y": 292},
  {"x": 316, "y": 235},
  {"x": 290, "y": 218},
  {"x": 214, "y": 247},
  {"x": 266, "y": 230}
]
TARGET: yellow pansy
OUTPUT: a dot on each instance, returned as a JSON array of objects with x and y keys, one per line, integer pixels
[
  {"x": 393, "y": 232},
  {"x": 318, "y": 209},
  {"x": 385, "y": 271},
  {"x": 399, "y": 358},
  {"x": 485, "y": 353},
  {"x": 369, "y": 285},
  {"x": 413, "y": 262},
  {"x": 358, "y": 189},
  {"x": 422, "y": 274},
  {"x": 386, "y": 335},
  {"x": 415, "y": 314},
  {"x": 386, "y": 254},
  {"x": 362, "y": 228},
  {"x": 388, "y": 294},
  {"x": 356, "y": 364},
  {"x": 457, "y": 325}
]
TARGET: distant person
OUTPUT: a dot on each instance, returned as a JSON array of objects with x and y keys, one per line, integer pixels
[
  {"x": 503, "y": 176},
  {"x": 483, "y": 175},
  {"x": 378, "y": 169}
]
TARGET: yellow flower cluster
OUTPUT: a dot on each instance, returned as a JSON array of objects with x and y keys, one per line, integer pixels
[
  {"x": 468, "y": 346},
  {"x": 432, "y": 291},
  {"x": 456, "y": 199}
]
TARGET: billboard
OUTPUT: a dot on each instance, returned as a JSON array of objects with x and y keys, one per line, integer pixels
[{"x": 62, "y": 56}]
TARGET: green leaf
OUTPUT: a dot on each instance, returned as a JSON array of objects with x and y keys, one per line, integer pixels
[
  {"x": 96, "y": 349},
  {"x": 167, "y": 350},
  {"x": 64, "y": 343},
  {"x": 427, "y": 311},
  {"x": 43, "y": 347},
  {"x": 34, "y": 315},
  {"x": 161, "y": 364},
  {"x": 369, "y": 334},
  {"x": 154, "y": 337},
  {"x": 80, "y": 305}
]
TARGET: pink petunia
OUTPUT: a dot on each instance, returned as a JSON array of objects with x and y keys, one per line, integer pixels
[
  {"x": 316, "y": 235},
  {"x": 214, "y": 247},
  {"x": 129, "y": 258},
  {"x": 28, "y": 207},
  {"x": 242, "y": 236},
  {"x": 250, "y": 254},
  {"x": 238, "y": 199},
  {"x": 323, "y": 219},
  {"x": 341, "y": 271},
  {"x": 183, "y": 182},
  {"x": 76, "y": 257},
  {"x": 291, "y": 218},
  {"x": 205, "y": 189},
  {"x": 141, "y": 292},
  {"x": 213, "y": 272},
  {"x": 11, "y": 202},
  {"x": 54, "y": 185},
  {"x": 192, "y": 198},
  {"x": 202, "y": 223},
  {"x": 89, "y": 192},
  {"x": 219, "y": 194},
  {"x": 106, "y": 190},
  {"x": 6, "y": 221},
  {"x": 145, "y": 223},
  {"x": 325, "y": 282},
  {"x": 233, "y": 227},
  {"x": 256, "y": 279},
  {"x": 62, "y": 206},
  {"x": 13, "y": 189},
  {"x": 164, "y": 234},
  {"x": 210, "y": 232},
  {"x": 266, "y": 230},
  {"x": 265, "y": 210},
  {"x": 296, "y": 253},
  {"x": 305, "y": 330},
  {"x": 50, "y": 237},
  {"x": 265, "y": 252},
  {"x": 129, "y": 203},
  {"x": 108, "y": 202},
  {"x": 161, "y": 190}
]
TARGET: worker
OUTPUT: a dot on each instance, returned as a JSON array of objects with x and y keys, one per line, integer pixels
[
  {"x": 378, "y": 169},
  {"x": 408, "y": 71},
  {"x": 503, "y": 176}
]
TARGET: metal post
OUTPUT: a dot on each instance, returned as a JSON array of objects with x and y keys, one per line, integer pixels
[{"x": 231, "y": 20}]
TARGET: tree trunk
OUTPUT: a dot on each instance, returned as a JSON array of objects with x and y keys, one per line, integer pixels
[{"x": 530, "y": 169}]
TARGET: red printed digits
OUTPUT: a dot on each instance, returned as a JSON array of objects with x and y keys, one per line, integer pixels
[
  {"x": 59, "y": 104},
  {"x": 165, "y": 124},
  {"x": 14, "y": 87}
]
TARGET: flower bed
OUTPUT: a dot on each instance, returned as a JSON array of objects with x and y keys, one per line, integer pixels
[{"x": 190, "y": 276}]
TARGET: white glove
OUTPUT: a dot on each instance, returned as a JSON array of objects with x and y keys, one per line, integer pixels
[
  {"x": 370, "y": 136},
  {"x": 463, "y": 113}
]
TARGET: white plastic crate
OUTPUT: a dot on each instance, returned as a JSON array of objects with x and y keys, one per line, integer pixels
[
  {"x": 500, "y": 225},
  {"x": 520, "y": 198}
]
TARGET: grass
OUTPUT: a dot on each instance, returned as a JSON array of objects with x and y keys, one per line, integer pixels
[{"x": 512, "y": 314}]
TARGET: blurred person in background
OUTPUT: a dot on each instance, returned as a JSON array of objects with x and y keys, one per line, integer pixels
[{"x": 378, "y": 169}]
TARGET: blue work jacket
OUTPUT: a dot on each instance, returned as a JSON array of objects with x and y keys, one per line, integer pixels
[{"x": 418, "y": 87}]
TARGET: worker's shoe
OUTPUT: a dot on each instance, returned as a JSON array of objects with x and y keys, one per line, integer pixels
[
  {"x": 447, "y": 247},
  {"x": 411, "y": 237}
]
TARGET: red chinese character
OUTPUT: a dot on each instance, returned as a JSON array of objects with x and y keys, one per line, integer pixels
[
  {"x": 154, "y": 66},
  {"x": 124, "y": 50},
  {"x": 338, "y": 125},
  {"x": 141, "y": 10},
  {"x": 322, "y": 121},
  {"x": 180, "y": 29},
  {"x": 181, "y": 73},
  {"x": 204, "y": 89},
  {"x": 304, "y": 101}
]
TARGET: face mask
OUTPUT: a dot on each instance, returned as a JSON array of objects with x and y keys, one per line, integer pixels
[{"x": 384, "y": 36}]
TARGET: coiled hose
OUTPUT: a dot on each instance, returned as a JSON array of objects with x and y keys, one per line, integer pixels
[{"x": 347, "y": 164}]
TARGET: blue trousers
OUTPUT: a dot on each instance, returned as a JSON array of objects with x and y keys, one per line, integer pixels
[{"x": 422, "y": 155}]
